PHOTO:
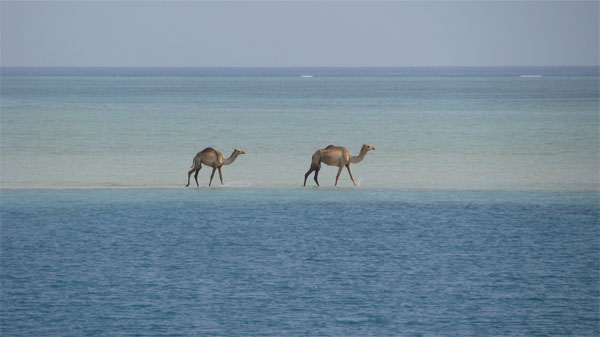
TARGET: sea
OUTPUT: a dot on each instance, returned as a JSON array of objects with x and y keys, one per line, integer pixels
[{"x": 478, "y": 213}]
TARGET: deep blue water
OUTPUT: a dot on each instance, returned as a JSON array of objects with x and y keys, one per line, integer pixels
[{"x": 291, "y": 262}]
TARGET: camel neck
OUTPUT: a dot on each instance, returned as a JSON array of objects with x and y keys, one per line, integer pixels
[
  {"x": 231, "y": 158},
  {"x": 360, "y": 157}
]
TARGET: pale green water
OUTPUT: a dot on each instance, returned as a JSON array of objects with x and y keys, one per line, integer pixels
[{"x": 431, "y": 132}]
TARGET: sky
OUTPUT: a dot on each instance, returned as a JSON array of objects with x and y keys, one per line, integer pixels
[{"x": 309, "y": 33}]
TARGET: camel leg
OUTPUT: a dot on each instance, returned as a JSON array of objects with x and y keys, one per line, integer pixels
[
  {"x": 211, "y": 176},
  {"x": 196, "y": 176},
  {"x": 220, "y": 175},
  {"x": 350, "y": 171},
  {"x": 338, "y": 175},
  {"x": 189, "y": 176},
  {"x": 312, "y": 168},
  {"x": 317, "y": 175}
]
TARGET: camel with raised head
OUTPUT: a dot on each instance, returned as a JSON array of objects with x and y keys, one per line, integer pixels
[
  {"x": 336, "y": 156},
  {"x": 213, "y": 158}
]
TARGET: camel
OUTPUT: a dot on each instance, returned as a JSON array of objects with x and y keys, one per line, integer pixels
[
  {"x": 213, "y": 158},
  {"x": 336, "y": 156}
]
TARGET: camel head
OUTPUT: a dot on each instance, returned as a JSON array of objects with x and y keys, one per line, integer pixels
[
  {"x": 239, "y": 151},
  {"x": 368, "y": 147}
]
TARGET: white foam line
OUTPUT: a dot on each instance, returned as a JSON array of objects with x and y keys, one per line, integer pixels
[{"x": 91, "y": 187}]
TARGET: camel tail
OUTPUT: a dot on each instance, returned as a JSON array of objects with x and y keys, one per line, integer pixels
[
  {"x": 316, "y": 159},
  {"x": 194, "y": 162}
]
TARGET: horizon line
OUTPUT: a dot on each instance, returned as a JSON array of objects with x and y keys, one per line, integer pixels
[{"x": 304, "y": 66}]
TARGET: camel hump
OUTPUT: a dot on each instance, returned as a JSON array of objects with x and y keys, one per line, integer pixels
[
  {"x": 330, "y": 147},
  {"x": 207, "y": 150}
]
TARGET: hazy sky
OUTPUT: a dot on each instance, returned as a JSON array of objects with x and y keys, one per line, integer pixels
[{"x": 285, "y": 33}]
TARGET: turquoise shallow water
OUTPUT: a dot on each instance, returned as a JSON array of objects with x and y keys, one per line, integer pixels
[
  {"x": 289, "y": 262},
  {"x": 434, "y": 128}
]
